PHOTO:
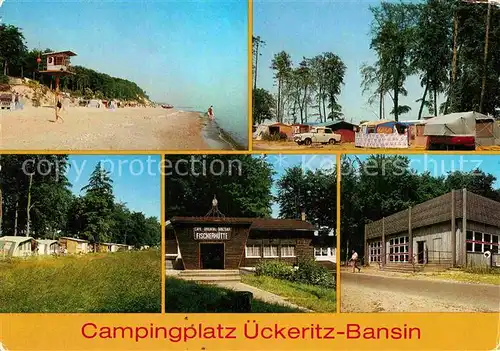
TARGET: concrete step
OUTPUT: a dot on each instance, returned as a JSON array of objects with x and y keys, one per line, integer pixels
[
  {"x": 212, "y": 279},
  {"x": 211, "y": 275},
  {"x": 207, "y": 272},
  {"x": 169, "y": 264}
]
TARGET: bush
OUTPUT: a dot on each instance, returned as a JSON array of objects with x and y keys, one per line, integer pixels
[
  {"x": 4, "y": 79},
  {"x": 310, "y": 272},
  {"x": 275, "y": 137},
  {"x": 275, "y": 269}
]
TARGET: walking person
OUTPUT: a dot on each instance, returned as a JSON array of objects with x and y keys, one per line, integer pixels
[
  {"x": 16, "y": 101},
  {"x": 354, "y": 259},
  {"x": 58, "y": 107},
  {"x": 211, "y": 113}
]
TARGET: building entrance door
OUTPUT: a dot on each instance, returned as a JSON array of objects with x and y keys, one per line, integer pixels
[
  {"x": 212, "y": 256},
  {"x": 421, "y": 252}
]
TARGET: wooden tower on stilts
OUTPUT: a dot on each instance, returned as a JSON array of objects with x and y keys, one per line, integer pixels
[{"x": 57, "y": 64}]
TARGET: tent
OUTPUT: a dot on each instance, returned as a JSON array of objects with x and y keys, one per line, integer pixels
[
  {"x": 47, "y": 247},
  {"x": 485, "y": 129},
  {"x": 261, "y": 130}
]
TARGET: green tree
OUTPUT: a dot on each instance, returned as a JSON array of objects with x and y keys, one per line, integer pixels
[
  {"x": 98, "y": 206},
  {"x": 394, "y": 37},
  {"x": 12, "y": 46},
  {"x": 257, "y": 44},
  {"x": 433, "y": 52},
  {"x": 263, "y": 107},
  {"x": 282, "y": 65},
  {"x": 334, "y": 75},
  {"x": 314, "y": 192},
  {"x": 241, "y": 183}
]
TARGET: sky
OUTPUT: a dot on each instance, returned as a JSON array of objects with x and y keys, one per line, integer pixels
[
  {"x": 136, "y": 179},
  {"x": 187, "y": 53},
  {"x": 281, "y": 163},
  {"x": 438, "y": 165},
  {"x": 309, "y": 28}
]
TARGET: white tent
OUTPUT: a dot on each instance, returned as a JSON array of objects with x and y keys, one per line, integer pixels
[
  {"x": 453, "y": 124},
  {"x": 485, "y": 129},
  {"x": 94, "y": 103},
  {"x": 262, "y": 129},
  {"x": 47, "y": 247}
]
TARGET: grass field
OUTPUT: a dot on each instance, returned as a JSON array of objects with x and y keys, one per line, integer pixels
[
  {"x": 188, "y": 297},
  {"x": 108, "y": 282},
  {"x": 312, "y": 297}
]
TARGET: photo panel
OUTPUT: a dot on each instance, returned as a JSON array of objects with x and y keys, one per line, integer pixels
[
  {"x": 91, "y": 76},
  {"x": 420, "y": 233},
  {"x": 80, "y": 233},
  {"x": 250, "y": 233}
]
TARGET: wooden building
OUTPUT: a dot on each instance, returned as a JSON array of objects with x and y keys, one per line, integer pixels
[
  {"x": 230, "y": 243},
  {"x": 456, "y": 229}
]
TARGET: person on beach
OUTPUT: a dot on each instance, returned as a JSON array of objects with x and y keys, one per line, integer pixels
[
  {"x": 16, "y": 101},
  {"x": 354, "y": 260},
  {"x": 58, "y": 107},
  {"x": 211, "y": 112}
]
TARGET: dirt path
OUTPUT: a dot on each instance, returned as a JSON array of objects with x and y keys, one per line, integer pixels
[
  {"x": 362, "y": 292},
  {"x": 345, "y": 147},
  {"x": 261, "y": 294}
]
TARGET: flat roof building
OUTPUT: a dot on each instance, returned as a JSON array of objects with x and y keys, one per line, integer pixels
[{"x": 456, "y": 229}]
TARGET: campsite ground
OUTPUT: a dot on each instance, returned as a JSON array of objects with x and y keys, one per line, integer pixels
[
  {"x": 376, "y": 291},
  {"x": 290, "y": 145},
  {"x": 120, "y": 282},
  {"x": 100, "y": 129}
]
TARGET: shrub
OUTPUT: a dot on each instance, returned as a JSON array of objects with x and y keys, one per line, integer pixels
[
  {"x": 4, "y": 79},
  {"x": 275, "y": 137},
  {"x": 275, "y": 269},
  {"x": 307, "y": 272},
  {"x": 310, "y": 272}
]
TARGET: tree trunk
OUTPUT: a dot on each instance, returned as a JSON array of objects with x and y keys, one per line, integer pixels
[
  {"x": 422, "y": 103},
  {"x": 324, "y": 109},
  {"x": 279, "y": 101},
  {"x": 319, "y": 105},
  {"x": 435, "y": 102},
  {"x": 15, "y": 218},
  {"x": 381, "y": 102},
  {"x": 5, "y": 68},
  {"x": 256, "y": 65},
  {"x": 28, "y": 207},
  {"x": 396, "y": 105}
]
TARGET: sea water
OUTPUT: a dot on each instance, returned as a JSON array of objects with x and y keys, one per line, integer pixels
[{"x": 232, "y": 120}]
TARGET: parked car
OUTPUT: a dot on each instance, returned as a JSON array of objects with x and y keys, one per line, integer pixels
[{"x": 318, "y": 135}]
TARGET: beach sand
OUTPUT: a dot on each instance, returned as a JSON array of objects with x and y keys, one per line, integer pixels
[{"x": 100, "y": 129}]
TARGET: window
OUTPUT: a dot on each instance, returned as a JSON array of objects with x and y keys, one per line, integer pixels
[
  {"x": 271, "y": 251},
  {"x": 287, "y": 251},
  {"x": 328, "y": 131},
  {"x": 481, "y": 242},
  {"x": 374, "y": 249},
  {"x": 398, "y": 249},
  {"x": 253, "y": 251}
]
